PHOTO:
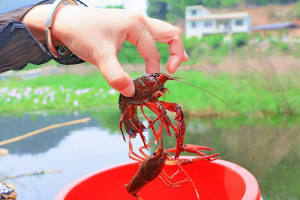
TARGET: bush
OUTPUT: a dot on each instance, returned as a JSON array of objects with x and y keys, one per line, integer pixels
[
  {"x": 164, "y": 52},
  {"x": 241, "y": 39},
  {"x": 258, "y": 37},
  {"x": 214, "y": 41},
  {"x": 191, "y": 43},
  {"x": 129, "y": 54},
  {"x": 283, "y": 47}
]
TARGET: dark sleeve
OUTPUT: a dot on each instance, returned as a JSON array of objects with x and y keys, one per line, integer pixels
[{"x": 17, "y": 45}]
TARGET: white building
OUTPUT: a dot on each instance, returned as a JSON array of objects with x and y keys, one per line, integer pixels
[{"x": 199, "y": 21}]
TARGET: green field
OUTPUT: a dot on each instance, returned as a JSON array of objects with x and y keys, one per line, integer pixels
[{"x": 246, "y": 93}]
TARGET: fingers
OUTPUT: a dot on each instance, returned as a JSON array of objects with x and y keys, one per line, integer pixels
[
  {"x": 148, "y": 50},
  {"x": 176, "y": 50},
  {"x": 115, "y": 76},
  {"x": 185, "y": 57},
  {"x": 166, "y": 33},
  {"x": 139, "y": 35}
]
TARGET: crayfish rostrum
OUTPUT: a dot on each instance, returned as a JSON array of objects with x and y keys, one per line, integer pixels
[{"x": 148, "y": 88}]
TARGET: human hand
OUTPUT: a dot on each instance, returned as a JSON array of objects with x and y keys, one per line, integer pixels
[{"x": 96, "y": 35}]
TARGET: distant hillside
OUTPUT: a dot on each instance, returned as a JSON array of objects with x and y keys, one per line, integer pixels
[
  {"x": 264, "y": 14},
  {"x": 260, "y": 15}
]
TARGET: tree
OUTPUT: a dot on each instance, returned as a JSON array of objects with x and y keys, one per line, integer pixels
[
  {"x": 265, "y": 2},
  {"x": 176, "y": 8},
  {"x": 116, "y": 7},
  {"x": 296, "y": 9},
  {"x": 157, "y": 9},
  {"x": 172, "y": 10}
]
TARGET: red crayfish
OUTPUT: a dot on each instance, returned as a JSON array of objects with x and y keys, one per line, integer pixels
[
  {"x": 148, "y": 88},
  {"x": 153, "y": 166}
]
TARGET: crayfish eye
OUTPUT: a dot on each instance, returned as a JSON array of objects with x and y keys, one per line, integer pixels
[
  {"x": 154, "y": 153},
  {"x": 162, "y": 160},
  {"x": 155, "y": 75}
]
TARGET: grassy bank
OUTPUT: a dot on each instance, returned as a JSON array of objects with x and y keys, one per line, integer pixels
[
  {"x": 214, "y": 49},
  {"x": 246, "y": 93}
]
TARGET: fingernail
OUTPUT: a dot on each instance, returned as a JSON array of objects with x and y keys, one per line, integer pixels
[
  {"x": 186, "y": 54},
  {"x": 128, "y": 91}
]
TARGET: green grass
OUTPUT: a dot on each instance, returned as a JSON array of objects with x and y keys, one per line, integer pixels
[
  {"x": 245, "y": 93},
  {"x": 208, "y": 49},
  {"x": 32, "y": 66},
  {"x": 213, "y": 49}
]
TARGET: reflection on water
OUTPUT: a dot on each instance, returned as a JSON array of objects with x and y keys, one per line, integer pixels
[
  {"x": 270, "y": 152},
  {"x": 76, "y": 150}
]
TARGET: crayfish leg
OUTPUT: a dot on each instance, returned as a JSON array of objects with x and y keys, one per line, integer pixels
[
  {"x": 164, "y": 90},
  {"x": 158, "y": 94},
  {"x": 190, "y": 148},
  {"x": 131, "y": 152},
  {"x": 121, "y": 122},
  {"x": 180, "y": 125},
  {"x": 138, "y": 197},
  {"x": 152, "y": 106},
  {"x": 159, "y": 110},
  {"x": 193, "y": 160},
  {"x": 167, "y": 124},
  {"x": 149, "y": 121},
  {"x": 172, "y": 176},
  {"x": 169, "y": 183},
  {"x": 139, "y": 130},
  {"x": 142, "y": 152}
]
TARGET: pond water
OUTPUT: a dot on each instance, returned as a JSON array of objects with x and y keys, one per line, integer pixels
[{"x": 270, "y": 150}]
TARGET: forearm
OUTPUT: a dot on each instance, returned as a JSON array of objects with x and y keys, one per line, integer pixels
[
  {"x": 35, "y": 20},
  {"x": 23, "y": 42}
]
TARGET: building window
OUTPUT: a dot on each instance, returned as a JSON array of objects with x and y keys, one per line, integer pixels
[
  {"x": 208, "y": 24},
  {"x": 194, "y": 24},
  {"x": 194, "y": 12},
  {"x": 239, "y": 22}
]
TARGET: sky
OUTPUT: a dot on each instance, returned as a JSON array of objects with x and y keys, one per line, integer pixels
[{"x": 135, "y": 5}]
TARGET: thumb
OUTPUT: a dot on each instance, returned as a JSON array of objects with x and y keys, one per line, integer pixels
[{"x": 115, "y": 76}]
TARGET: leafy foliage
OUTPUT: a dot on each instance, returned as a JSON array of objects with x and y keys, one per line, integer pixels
[
  {"x": 283, "y": 47},
  {"x": 240, "y": 40},
  {"x": 116, "y": 7},
  {"x": 211, "y": 49},
  {"x": 297, "y": 9},
  {"x": 157, "y": 9},
  {"x": 171, "y": 10},
  {"x": 214, "y": 41}
]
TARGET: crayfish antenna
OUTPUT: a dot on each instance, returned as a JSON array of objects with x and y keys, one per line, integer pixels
[
  {"x": 177, "y": 79},
  {"x": 196, "y": 191}
]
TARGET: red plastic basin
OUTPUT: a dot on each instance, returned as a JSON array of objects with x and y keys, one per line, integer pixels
[{"x": 217, "y": 180}]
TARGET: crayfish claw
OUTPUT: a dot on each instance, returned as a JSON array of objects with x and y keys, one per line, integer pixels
[
  {"x": 158, "y": 94},
  {"x": 166, "y": 90}
]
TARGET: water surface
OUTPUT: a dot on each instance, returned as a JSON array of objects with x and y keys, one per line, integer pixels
[{"x": 270, "y": 150}]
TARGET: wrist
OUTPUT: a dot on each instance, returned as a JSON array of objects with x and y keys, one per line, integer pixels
[{"x": 35, "y": 21}]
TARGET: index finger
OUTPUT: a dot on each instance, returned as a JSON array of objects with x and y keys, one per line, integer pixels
[
  {"x": 166, "y": 33},
  {"x": 139, "y": 35}
]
